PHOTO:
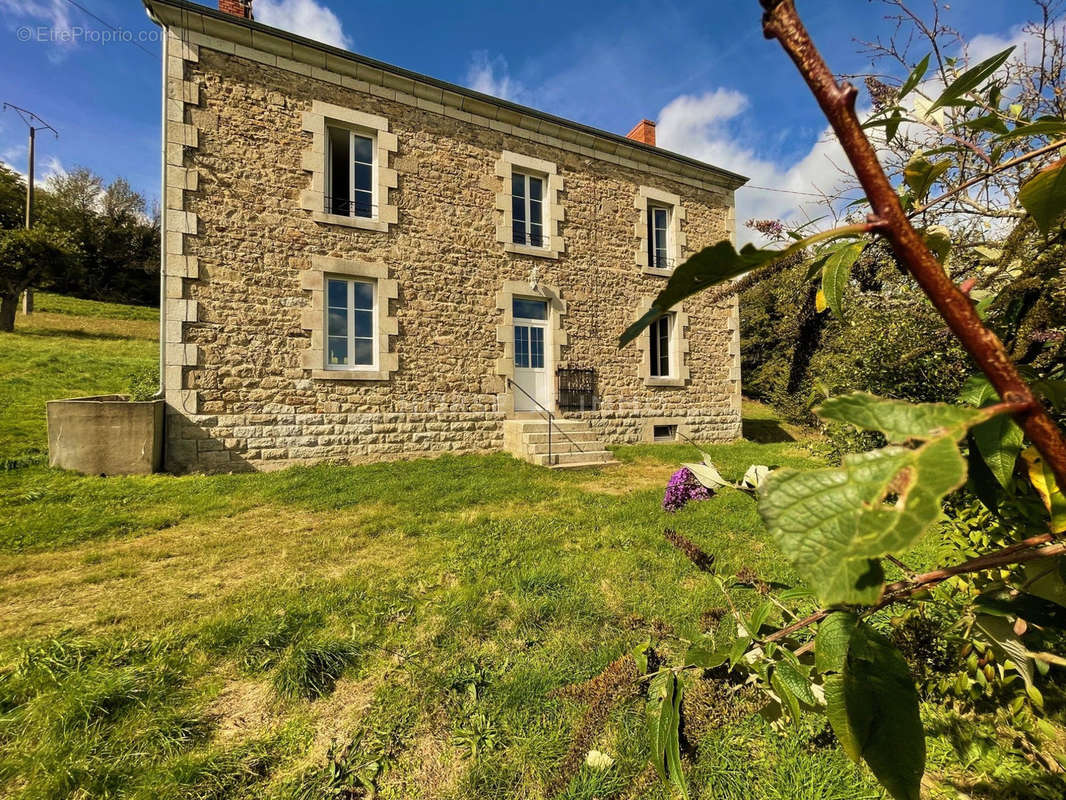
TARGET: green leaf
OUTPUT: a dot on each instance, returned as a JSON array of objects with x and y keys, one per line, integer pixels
[
  {"x": 1049, "y": 128},
  {"x": 837, "y": 714},
  {"x": 664, "y": 721},
  {"x": 640, "y": 656},
  {"x": 716, "y": 264},
  {"x": 1044, "y": 196},
  {"x": 920, "y": 174},
  {"x": 1006, "y": 643},
  {"x": 759, "y": 618},
  {"x": 990, "y": 123},
  {"x": 881, "y": 705},
  {"x": 836, "y": 272},
  {"x": 971, "y": 79},
  {"x": 938, "y": 240},
  {"x": 978, "y": 391},
  {"x": 1043, "y": 480},
  {"x": 798, "y": 683},
  {"x": 833, "y": 524},
  {"x": 705, "y": 654},
  {"x": 783, "y": 691},
  {"x": 832, "y": 641},
  {"x": 898, "y": 420},
  {"x": 1046, "y": 579},
  {"x": 1000, "y": 442},
  {"x": 914, "y": 78}
]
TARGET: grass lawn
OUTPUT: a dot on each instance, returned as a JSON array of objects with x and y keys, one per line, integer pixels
[
  {"x": 430, "y": 629},
  {"x": 67, "y": 348}
]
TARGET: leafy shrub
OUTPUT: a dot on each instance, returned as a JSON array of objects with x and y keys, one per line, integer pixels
[{"x": 143, "y": 384}]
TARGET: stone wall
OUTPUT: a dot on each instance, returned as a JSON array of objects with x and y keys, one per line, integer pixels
[{"x": 239, "y": 395}]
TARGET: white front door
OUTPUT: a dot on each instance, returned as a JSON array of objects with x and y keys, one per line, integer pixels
[{"x": 530, "y": 354}]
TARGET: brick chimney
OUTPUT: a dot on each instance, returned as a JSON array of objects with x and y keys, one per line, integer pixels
[
  {"x": 643, "y": 131},
  {"x": 238, "y": 8}
]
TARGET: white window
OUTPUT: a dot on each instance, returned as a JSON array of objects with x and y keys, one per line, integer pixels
[
  {"x": 658, "y": 233},
  {"x": 350, "y": 173},
  {"x": 659, "y": 343},
  {"x": 527, "y": 209},
  {"x": 351, "y": 324}
]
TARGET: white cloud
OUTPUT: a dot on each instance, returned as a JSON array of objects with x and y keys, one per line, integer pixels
[
  {"x": 304, "y": 17},
  {"x": 490, "y": 75},
  {"x": 704, "y": 127},
  {"x": 52, "y": 18}
]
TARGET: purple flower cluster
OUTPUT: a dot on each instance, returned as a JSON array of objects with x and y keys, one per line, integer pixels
[
  {"x": 682, "y": 488},
  {"x": 771, "y": 228}
]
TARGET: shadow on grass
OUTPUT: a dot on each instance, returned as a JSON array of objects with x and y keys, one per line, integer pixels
[
  {"x": 73, "y": 333},
  {"x": 765, "y": 431}
]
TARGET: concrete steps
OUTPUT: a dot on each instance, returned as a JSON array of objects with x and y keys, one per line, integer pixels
[{"x": 573, "y": 443}]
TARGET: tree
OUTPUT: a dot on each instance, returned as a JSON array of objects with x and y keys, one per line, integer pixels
[
  {"x": 117, "y": 241},
  {"x": 12, "y": 198},
  {"x": 26, "y": 258},
  {"x": 844, "y": 527}
]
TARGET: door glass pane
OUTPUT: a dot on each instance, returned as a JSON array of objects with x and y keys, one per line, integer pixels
[
  {"x": 364, "y": 295},
  {"x": 536, "y": 187},
  {"x": 364, "y": 352},
  {"x": 518, "y": 185},
  {"x": 529, "y": 309},
  {"x": 536, "y": 347},
  {"x": 338, "y": 350},
  {"x": 521, "y": 346}
]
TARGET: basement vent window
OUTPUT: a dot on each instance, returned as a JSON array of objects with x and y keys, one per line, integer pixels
[{"x": 664, "y": 433}]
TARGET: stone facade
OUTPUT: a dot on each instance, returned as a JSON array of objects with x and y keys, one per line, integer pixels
[{"x": 243, "y": 249}]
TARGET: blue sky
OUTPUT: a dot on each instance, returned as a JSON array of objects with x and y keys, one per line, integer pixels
[{"x": 718, "y": 90}]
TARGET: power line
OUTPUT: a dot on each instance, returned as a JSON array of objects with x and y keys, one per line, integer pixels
[
  {"x": 115, "y": 28},
  {"x": 792, "y": 191}
]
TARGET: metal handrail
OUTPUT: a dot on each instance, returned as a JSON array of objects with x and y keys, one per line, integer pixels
[
  {"x": 551, "y": 422},
  {"x": 550, "y": 415}
]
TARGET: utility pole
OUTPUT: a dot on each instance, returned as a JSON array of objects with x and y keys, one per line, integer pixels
[{"x": 34, "y": 123}]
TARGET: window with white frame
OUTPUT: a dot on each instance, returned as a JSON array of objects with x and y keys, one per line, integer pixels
[
  {"x": 527, "y": 209},
  {"x": 351, "y": 324},
  {"x": 350, "y": 173},
  {"x": 659, "y": 347},
  {"x": 658, "y": 237}
]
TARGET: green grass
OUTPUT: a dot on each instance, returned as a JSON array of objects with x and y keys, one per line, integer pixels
[
  {"x": 67, "y": 348},
  {"x": 402, "y": 626}
]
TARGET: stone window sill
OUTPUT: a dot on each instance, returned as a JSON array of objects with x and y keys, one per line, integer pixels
[
  {"x": 527, "y": 250},
  {"x": 350, "y": 374},
  {"x": 658, "y": 272},
  {"x": 351, "y": 222},
  {"x": 664, "y": 382}
]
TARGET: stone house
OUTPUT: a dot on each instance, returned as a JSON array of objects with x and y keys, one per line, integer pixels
[{"x": 362, "y": 262}]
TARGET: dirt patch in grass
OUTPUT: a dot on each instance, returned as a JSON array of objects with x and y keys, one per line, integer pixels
[
  {"x": 428, "y": 769},
  {"x": 189, "y": 569},
  {"x": 243, "y": 709},
  {"x": 637, "y": 476},
  {"x": 46, "y": 324},
  {"x": 335, "y": 715}
]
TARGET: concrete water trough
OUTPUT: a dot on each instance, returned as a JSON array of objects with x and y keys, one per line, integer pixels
[{"x": 106, "y": 435}]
